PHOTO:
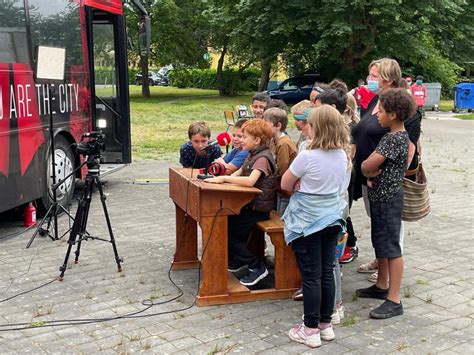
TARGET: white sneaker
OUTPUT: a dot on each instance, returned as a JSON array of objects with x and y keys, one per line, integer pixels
[
  {"x": 335, "y": 317},
  {"x": 327, "y": 334},
  {"x": 304, "y": 335},
  {"x": 340, "y": 310}
]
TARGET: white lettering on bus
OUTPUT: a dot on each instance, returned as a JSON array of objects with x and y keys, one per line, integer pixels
[
  {"x": 21, "y": 97},
  {"x": 53, "y": 98},
  {"x": 46, "y": 100},
  {"x": 67, "y": 99},
  {"x": 76, "y": 95},
  {"x": 38, "y": 86},
  {"x": 62, "y": 104},
  {"x": 12, "y": 102},
  {"x": 28, "y": 100}
]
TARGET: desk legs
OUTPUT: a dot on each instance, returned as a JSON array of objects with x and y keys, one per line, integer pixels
[
  {"x": 214, "y": 276},
  {"x": 185, "y": 256}
]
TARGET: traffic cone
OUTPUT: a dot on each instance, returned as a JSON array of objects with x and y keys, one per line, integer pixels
[{"x": 30, "y": 215}]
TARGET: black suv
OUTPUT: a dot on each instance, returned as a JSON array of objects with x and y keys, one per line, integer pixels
[{"x": 295, "y": 89}]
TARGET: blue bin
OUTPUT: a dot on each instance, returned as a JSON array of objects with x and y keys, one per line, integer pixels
[{"x": 464, "y": 96}]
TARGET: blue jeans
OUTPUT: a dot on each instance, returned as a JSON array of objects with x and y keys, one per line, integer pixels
[
  {"x": 315, "y": 256},
  {"x": 282, "y": 203}
]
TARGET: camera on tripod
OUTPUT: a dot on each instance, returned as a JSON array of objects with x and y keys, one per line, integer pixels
[{"x": 93, "y": 146}]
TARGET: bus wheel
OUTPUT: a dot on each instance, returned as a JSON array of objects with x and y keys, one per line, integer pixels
[{"x": 64, "y": 165}]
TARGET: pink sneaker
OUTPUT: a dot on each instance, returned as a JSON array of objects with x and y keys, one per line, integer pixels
[
  {"x": 305, "y": 335},
  {"x": 326, "y": 331}
]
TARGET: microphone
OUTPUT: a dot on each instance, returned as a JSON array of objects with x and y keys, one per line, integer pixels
[{"x": 222, "y": 139}]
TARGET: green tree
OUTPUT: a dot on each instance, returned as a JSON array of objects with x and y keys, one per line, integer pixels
[{"x": 345, "y": 35}]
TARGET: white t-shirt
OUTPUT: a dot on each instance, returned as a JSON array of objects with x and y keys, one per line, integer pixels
[{"x": 321, "y": 171}]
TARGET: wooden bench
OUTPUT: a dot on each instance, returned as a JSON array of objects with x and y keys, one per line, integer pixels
[{"x": 287, "y": 275}]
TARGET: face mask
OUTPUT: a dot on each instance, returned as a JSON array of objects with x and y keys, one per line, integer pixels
[
  {"x": 419, "y": 82},
  {"x": 373, "y": 85},
  {"x": 408, "y": 82}
]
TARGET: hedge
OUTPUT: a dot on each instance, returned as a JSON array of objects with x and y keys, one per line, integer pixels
[
  {"x": 103, "y": 75},
  {"x": 207, "y": 79}
]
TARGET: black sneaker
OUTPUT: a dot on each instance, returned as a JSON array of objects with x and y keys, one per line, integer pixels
[
  {"x": 388, "y": 309},
  {"x": 372, "y": 292},
  {"x": 235, "y": 266},
  {"x": 254, "y": 275}
]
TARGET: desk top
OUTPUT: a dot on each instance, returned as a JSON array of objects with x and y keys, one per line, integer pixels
[
  {"x": 200, "y": 199},
  {"x": 206, "y": 186}
]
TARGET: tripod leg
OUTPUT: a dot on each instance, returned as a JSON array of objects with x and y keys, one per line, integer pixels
[
  {"x": 118, "y": 259},
  {"x": 78, "y": 226},
  {"x": 87, "y": 198}
]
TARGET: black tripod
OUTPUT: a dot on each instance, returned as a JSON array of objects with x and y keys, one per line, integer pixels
[{"x": 78, "y": 230}]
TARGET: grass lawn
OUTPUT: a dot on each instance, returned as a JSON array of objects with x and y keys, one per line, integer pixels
[
  {"x": 160, "y": 124},
  {"x": 446, "y": 105},
  {"x": 469, "y": 116}
]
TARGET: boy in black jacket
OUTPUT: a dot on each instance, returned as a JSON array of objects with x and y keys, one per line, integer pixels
[{"x": 259, "y": 171}]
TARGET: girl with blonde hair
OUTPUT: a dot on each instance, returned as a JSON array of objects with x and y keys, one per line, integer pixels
[{"x": 314, "y": 219}]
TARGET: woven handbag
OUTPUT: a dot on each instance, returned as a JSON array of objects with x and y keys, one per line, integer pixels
[{"x": 416, "y": 197}]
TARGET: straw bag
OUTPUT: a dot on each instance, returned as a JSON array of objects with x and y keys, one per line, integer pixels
[{"x": 416, "y": 198}]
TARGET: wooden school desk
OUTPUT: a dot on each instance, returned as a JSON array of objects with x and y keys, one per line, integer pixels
[{"x": 197, "y": 202}]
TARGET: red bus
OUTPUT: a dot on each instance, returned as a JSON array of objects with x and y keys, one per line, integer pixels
[{"x": 94, "y": 36}]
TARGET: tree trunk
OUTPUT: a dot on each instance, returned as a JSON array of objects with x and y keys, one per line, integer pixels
[
  {"x": 265, "y": 66},
  {"x": 145, "y": 83},
  {"x": 234, "y": 82},
  {"x": 220, "y": 66}
]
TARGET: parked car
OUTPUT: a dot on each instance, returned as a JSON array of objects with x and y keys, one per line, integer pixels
[
  {"x": 159, "y": 77},
  {"x": 295, "y": 89},
  {"x": 154, "y": 78}
]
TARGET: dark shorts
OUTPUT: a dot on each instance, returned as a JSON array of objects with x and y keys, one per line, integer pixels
[{"x": 386, "y": 221}]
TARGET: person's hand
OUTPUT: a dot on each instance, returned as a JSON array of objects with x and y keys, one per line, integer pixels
[
  {"x": 215, "y": 180},
  {"x": 220, "y": 161},
  {"x": 373, "y": 174},
  {"x": 370, "y": 183},
  {"x": 297, "y": 186}
]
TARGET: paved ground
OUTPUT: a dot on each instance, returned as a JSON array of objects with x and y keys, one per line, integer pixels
[{"x": 438, "y": 287}]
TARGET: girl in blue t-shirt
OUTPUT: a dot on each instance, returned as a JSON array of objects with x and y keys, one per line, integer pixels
[{"x": 233, "y": 160}]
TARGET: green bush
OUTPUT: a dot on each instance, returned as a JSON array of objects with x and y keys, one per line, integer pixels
[{"x": 207, "y": 79}]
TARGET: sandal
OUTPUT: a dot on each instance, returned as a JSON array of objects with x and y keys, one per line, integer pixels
[
  {"x": 373, "y": 277},
  {"x": 369, "y": 267}
]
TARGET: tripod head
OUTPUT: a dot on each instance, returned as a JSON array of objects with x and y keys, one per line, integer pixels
[{"x": 92, "y": 148}]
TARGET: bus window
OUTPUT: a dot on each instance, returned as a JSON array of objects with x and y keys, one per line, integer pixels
[
  {"x": 13, "y": 40},
  {"x": 57, "y": 24},
  {"x": 104, "y": 60}
]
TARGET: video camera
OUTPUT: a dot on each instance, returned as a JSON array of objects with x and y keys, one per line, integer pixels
[{"x": 93, "y": 146}]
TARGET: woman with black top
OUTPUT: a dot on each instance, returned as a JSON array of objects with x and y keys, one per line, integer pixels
[{"x": 384, "y": 74}]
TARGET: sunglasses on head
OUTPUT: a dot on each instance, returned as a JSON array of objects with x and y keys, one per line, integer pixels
[{"x": 319, "y": 89}]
